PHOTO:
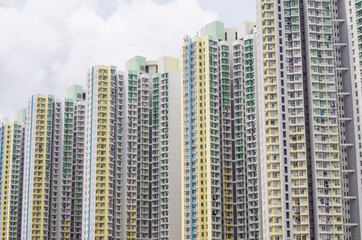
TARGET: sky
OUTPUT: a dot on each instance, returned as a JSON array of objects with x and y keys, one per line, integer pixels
[{"x": 48, "y": 45}]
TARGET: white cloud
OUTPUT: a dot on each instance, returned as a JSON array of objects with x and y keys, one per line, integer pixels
[{"x": 47, "y": 45}]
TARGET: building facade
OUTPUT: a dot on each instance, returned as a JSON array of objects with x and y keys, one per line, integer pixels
[
  {"x": 220, "y": 181},
  {"x": 41, "y": 162},
  {"x": 101, "y": 210},
  {"x": 308, "y": 138},
  {"x": 50, "y": 203},
  {"x": 245, "y": 122},
  {"x": 134, "y": 190},
  {"x": 77, "y": 94},
  {"x": 11, "y": 185},
  {"x": 152, "y": 130},
  {"x": 71, "y": 167},
  {"x": 352, "y": 167},
  {"x": 165, "y": 155}
]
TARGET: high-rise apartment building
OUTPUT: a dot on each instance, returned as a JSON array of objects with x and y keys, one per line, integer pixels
[
  {"x": 101, "y": 213},
  {"x": 220, "y": 166},
  {"x": 77, "y": 94},
  {"x": 51, "y": 198},
  {"x": 353, "y": 166},
  {"x": 306, "y": 133},
  {"x": 245, "y": 117},
  {"x": 164, "y": 160},
  {"x": 42, "y": 154},
  {"x": 12, "y": 142},
  {"x": 136, "y": 178},
  {"x": 71, "y": 167},
  {"x": 132, "y": 178},
  {"x": 204, "y": 200}
]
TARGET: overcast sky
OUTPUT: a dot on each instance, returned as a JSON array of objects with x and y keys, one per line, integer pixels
[{"x": 48, "y": 45}]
